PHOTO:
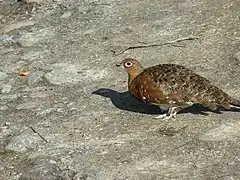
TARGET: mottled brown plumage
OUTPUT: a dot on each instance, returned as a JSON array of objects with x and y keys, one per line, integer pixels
[{"x": 173, "y": 87}]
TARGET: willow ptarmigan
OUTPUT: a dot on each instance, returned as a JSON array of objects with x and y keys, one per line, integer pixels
[{"x": 173, "y": 87}]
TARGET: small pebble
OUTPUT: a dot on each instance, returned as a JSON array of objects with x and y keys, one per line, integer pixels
[{"x": 66, "y": 15}]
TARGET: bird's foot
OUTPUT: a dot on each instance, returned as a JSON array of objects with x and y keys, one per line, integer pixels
[
  {"x": 171, "y": 113},
  {"x": 166, "y": 116},
  {"x": 160, "y": 116}
]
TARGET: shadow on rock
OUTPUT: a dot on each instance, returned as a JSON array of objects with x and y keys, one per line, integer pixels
[{"x": 124, "y": 101}]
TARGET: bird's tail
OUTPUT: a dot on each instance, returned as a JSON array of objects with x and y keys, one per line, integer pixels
[{"x": 235, "y": 103}]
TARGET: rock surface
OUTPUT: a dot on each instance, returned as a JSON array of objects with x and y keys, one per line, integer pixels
[
  {"x": 35, "y": 77},
  {"x": 17, "y": 25},
  {"x": 86, "y": 126},
  {"x": 26, "y": 141},
  {"x": 6, "y": 88},
  {"x": 42, "y": 169},
  {"x": 62, "y": 74},
  {"x": 3, "y": 76}
]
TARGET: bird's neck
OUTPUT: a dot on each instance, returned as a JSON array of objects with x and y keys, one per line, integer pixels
[
  {"x": 132, "y": 76},
  {"x": 133, "y": 73}
]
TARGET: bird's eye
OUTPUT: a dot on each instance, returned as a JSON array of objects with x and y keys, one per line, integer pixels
[{"x": 128, "y": 64}]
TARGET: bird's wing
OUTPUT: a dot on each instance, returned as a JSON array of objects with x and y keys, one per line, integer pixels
[{"x": 144, "y": 88}]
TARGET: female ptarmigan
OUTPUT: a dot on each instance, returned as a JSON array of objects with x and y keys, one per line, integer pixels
[{"x": 173, "y": 88}]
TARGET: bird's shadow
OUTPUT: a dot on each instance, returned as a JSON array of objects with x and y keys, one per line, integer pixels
[{"x": 125, "y": 101}]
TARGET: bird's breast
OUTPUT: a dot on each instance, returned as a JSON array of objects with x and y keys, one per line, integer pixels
[{"x": 144, "y": 89}]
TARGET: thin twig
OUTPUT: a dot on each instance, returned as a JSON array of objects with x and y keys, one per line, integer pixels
[
  {"x": 172, "y": 43},
  {"x": 38, "y": 133}
]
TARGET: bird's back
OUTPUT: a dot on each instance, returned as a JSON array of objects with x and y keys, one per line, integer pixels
[{"x": 176, "y": 85}]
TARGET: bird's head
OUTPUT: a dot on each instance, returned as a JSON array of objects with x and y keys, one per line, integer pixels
[{"x": 132, "y": 67}]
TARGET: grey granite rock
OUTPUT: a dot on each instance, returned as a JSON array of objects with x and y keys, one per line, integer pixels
[
  {"x": 6, "y": 88},
  {"x": 35, "y": 77},
  {"x": 41, "y": 169},
  {"x": 64, "y": 74},
  {"x": 27, "y": 140},
  {"x": 237, "y": 56},
  {"x": 17, "y": 25},
  {"x": 3, "y": 76}
]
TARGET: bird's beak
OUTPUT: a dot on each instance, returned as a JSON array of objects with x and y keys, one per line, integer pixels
[{"x": 118, "y": 65}]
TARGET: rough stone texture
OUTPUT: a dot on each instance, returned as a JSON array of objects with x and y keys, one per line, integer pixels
[
  {"x": 6, "y": 88},
  {"x": 32, "y": 56},
  {"x": 237, "y": 57},
  {"x": 106, "y": 134},
  {"x": 3, "y": 76},
  {"x": 62, "y": 74},
  {"x": 66, "y": 15},
  {"x": 35, "y": 77},
  {"x": 17, "y": 25},
  {"x": 224, "y": 132},
  {"x": 42, "y": 169},
  {"x": 26, "y": 141},
  {"x": 30, "y": 39}
]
